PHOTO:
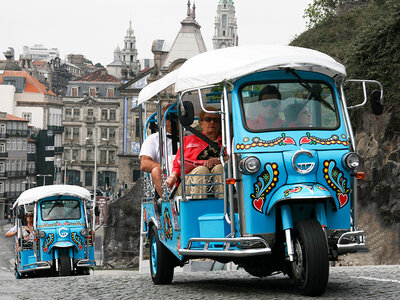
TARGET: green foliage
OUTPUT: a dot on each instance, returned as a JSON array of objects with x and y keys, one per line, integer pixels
[{"x": 319, "y": 10}]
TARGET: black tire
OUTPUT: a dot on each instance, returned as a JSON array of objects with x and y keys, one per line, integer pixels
[
  {"x": 310, "y": 268},
  {"x": 64, "y": 263},
  {"x": 161, "y": 260}
]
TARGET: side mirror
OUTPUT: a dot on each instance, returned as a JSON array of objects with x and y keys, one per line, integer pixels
[
  {"x": 186, "y": 116},
  {"x": 376, "y": 102},
  {"x": 97, "y": 211},
  {"x": 20, "y": 213}
]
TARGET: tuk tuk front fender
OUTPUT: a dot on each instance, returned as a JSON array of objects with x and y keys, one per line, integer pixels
[
  {"x": 300, "y": 191},
  {"x": 64, "y": 244}
]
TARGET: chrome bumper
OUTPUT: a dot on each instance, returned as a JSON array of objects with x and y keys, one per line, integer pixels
[
  {"x": 85, "y": 263},
  {"x": 43, "y": 265},
  {"x": 244, "y": 246},
  {"x": 351, "y": 241}
]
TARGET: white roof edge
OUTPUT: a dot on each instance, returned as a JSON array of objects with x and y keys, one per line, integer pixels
[
  {"x": 35, "y": 194},
  {"x": 157, "y": 86}
]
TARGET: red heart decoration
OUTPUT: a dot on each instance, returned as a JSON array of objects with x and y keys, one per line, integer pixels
[
  {"x": 305, "y": 140},
  {"x": 80, "y": 247},
  {"x": 45, "y": 250},
  {"x": 258, "y": 204},
  {"x": 289, "y": 140},
  {"x": 343, "y": 199}
]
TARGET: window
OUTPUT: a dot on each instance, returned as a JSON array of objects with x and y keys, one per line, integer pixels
[
  {"x": 88, "y": 178},
  {"x": 2, "y": 167},
  {"x": 75, "y": 154},
  {"x": 27, "y": 116},
  {"x": 89, "y": 154},
  {"x": 14, "y": 144},
  {"x": 104, "y": 114},
  {"x": 111, "y": 133},
  {"x": 104, "y": 133},
  {"x": 2, "y": 148},
  {"x": 111, "y": 157},
  {"x": 68, "y": 113},
  {"x": 75, "y": 132},
  {"x": 110, "y": 92},
  {"x": 74, "y": 91},
  {"x": 112, "y": 114},
  {"x": 8, "y": 145},
  {"x": 67, "y": 154},
  {"x": 92, "y": 92},
  {"x": 90, "y": 112},
  {"x": 65, "y": 209},
  {"x": 89, "y": 132},
  {"x": 24, "y": 145},
  {"x": 19, "y": 147},
  {"x": 1, "y": 187},
  {"x": 67, "y": 132},
  {"x": 77, "y": 113},
  {"x": 3, "y": 129},
  {"x": 103, "y": 156}
]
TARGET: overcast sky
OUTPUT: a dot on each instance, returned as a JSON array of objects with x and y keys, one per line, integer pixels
[{"x": 94, "y": 28}]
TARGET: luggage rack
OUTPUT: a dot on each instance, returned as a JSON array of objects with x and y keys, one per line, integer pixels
[{"x": 244, "y": 246}]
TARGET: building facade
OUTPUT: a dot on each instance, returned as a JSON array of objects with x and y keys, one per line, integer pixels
[
  {"x": 225, "y": 25},
  {"x": 91, "y": 131},
  {"x": 17, "y": 170}
]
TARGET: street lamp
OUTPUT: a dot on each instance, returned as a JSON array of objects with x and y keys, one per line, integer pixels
[
  {"x": 29, "y": 182},
  {"x": 95, "y": 141},
  {"x": 65, "y": 169}
]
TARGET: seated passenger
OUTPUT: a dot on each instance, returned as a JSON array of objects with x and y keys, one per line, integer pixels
[
  {"x": 268, "y": 105},
  {"x": 200, "y": 158},
  {"x": 150, "y": 155},
  {"x": 27, "y": 231},
  {"x": 298, "y": 115}
]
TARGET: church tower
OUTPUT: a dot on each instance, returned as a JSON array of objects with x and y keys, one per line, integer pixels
[
  {"x": 225, "y": 33},
  {"x": 129, "y": 52}
]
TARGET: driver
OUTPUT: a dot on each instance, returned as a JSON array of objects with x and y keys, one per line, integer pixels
[{"x": 57, "y": 211}]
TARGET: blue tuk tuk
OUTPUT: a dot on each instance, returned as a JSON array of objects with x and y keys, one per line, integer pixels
[
  {"x": 289, "y": 201},
  {"x": 62, "y": 240}
]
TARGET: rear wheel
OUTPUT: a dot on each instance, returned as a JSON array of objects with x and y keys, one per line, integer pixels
[
  {"x": 161, "y": 260},
  {"x": 64, "y": 263},
  {"x": 310, "y": 268}
]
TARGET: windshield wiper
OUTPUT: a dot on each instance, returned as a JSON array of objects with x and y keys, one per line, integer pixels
[{"x": 308, "y": 87}]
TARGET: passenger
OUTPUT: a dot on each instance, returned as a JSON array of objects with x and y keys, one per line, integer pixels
[
  {"x": 298, "y": 115},
  {"x": 12, "y": 231},
  {"x": 200, "y": 157},
  {"x": 269, "y": 105},
  {"x": 27, "y": 231},
  {"x": 150, "y": 155}
]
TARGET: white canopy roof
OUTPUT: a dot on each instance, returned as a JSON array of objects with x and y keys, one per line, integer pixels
[
  {"x": 215, "y": 66},
  {"x": 37, "y": 193},
  {"x": 231, "y": 63},
  {"x": 155, "y": 87}
]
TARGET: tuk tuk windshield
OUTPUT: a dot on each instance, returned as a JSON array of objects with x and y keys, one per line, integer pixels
[
  {"x": 66, "y": 209},
  {"x": 288, "y": 105}
]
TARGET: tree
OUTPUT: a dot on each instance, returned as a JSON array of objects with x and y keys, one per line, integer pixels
[{"x": 319, "y": 10}]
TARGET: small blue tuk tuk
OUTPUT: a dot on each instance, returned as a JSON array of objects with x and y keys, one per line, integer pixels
[
  {"x": 62, "y": 239},
  {"x": 289, "y": 200}
]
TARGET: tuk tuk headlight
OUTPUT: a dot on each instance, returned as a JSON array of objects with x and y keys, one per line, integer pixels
[
  {"x": 249, "y": 165},
  {"x": 41, "y": 234},
  {"x": 351, "y": 160},
  {"x": 83, "y": 232}
]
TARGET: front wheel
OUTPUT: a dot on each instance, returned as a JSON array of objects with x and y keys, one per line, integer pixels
[
  {"x": 161, "y": 260},
  {"x": 310, "y": 268},
  {"x": 64, "y": 263}
]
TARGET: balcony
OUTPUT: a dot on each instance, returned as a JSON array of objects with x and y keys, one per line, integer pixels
[
  {"x": 58, "y": 150},
  {"x": 16, "y": 173},
  {"x": 3, "y": 135},
  {"x": 16, "y": 132},
  {"x": 31, "y": 171},
  {"x": 3, "y": 154},
  {"x": 56, "y": 129},
  {"x": 90, "y": 119},
  {"x": 31, "y": 157},
  {"x": 3, "y": 174}
]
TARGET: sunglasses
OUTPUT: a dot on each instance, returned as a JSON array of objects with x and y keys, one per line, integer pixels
[
  {"x": 209, "y": 119},
  {"x": 273, "y": 104}
]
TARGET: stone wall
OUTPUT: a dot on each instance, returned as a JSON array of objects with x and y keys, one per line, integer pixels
[{"x": 122, "y": 232}]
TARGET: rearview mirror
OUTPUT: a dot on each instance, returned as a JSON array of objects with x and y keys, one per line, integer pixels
[
  {"x": 186, "y": 115},
  {"x": 376, "y": 102}
]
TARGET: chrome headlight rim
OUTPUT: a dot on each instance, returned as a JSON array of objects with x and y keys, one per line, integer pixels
[
  {"x": 41, "y": 234},
  {"x": 351, "y": 160},
  {"x": 83, "y": 232},
  {"x": 249, "y": 165}
]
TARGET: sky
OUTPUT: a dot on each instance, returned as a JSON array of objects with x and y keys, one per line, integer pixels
[{"x": 95, "y": 28}]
